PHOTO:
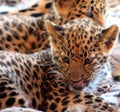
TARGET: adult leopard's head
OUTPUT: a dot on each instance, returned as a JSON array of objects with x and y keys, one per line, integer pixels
[
  {"x": 71, "y": 9},
  {"x": 80, "y": 48}
]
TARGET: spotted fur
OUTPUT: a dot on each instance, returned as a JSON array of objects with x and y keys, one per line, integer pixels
[
  {"x": 67, "y": 9},
  {"x": 9, "y": 2},
  {"x": 22, "y": 34},
  {"x": 28, "y": 34},
  {"x": 43, "y": 80},
  {"x": 38, "y": 9}
]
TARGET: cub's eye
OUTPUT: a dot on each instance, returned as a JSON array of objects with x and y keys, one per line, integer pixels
[
  {"x": 88, "y": 61},
  {"x": 65, "y": 59},
  {"x": 90, "y": 15}
]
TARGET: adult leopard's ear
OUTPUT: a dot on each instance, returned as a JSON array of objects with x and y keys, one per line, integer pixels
[
  {"x": 63, "y": 3},
  {"x": 108, "y": 37}
]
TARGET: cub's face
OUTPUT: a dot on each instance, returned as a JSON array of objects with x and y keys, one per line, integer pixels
[{"x": 80, "y": 48}]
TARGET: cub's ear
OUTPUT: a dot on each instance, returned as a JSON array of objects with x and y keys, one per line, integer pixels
[
  {"x": 53, "y": 29},
  {"x": 108, "y": 37}
]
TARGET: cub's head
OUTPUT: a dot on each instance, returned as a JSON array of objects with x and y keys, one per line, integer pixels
[
  {"x": 80, "y": 48},
  {"x": 71, "y": 9}
]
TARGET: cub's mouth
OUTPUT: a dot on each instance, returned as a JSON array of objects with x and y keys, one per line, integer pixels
[{"x": 77, "y": 86}]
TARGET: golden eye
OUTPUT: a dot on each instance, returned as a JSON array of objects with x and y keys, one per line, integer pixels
[
  {"x": 66, "y": 59},
  {"x": 88, "y": 61}
]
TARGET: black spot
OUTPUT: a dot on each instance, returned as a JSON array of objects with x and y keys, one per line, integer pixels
[
  {"x": 89, "y": 102},
  {"x": 20, "y": 28},
  {"x": 36, "y": 75},
  {"x": 50, "y": 97},
  {"x": 86, "y": 47},
  {"x": 34, "y": 102},
  {"x": 27, "y": 75},
  {"x": 64, "y": 109},
  {"x": 77, "y": 15},
  {"x": 13, "y": 94},
  {"x": 36, "y": 5},
  {"x": 21, "y": 101},
  {"x": 91, "y": 38},
  {"x": 85, "y": 54},
  {"x": 29, "y": 63},
  {"x": 81, "y": 55},
  {"x": 77, "y": 1},
  {"x": 48, "y": 5},
  {"x": 10, "y": 102},
  {"x": 3, "y": 84},
  {"x": 17, "y": 50},
  {"x": 98, "y": 100},
  {"x": 29, "y": 87},
  {"x": 116, "y": 78},
  {"x": 26, "y": 91},
  {"x": 10, "y": 88},
  {"x": 36, "y": 85},
  {"x": 36, "y": 14},
  {"x": 33, "y": 44},
  {"x": 31, "y": 30},
  {"x": 17, "y": 72},
  {"x": 76, "y": 96},
  {"x": 21, "y": 83},
  {"x": 53, "y": 106},
  {"x": 105, "y": 106},
  {"x": 65, "y": 101},
  {"x": 3, "y": 95},
  {"x": 24, "y": 10},
  {"x": 88, "y": 96},
  {"x": 55, "y": 93},
  {"x": 78, "y": 101},
  {"x": 20, "y": 45},
  {"x": 1, "y": 32},
  {"x": 1, "y": 48},
  {"x": 14, "y": 63},
  {"x": 25, "y": 37},
  {"x": 9, "y": 38},
  {"x": 0, "y": 104},
  {"x": 2, "y": 89},
  {"x": 61, "y": 90},
  {"x": 7, "y": 46},
  {"x": 55, "y": 85},
  {"x": 31, "y": 9},
  {"x": 38, "y": 94},
  {"x": 58, "y": 28},
  {"x": 16, "y": 35},
  {"x": 57, "y": 100},
  {"x": 92, "y": 1}
]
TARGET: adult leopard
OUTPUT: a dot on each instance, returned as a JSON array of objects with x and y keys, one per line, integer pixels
[{"x": 28, "y": 34}]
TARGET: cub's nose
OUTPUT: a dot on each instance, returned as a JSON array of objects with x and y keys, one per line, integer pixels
[{"x": 75, "y": 77}]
